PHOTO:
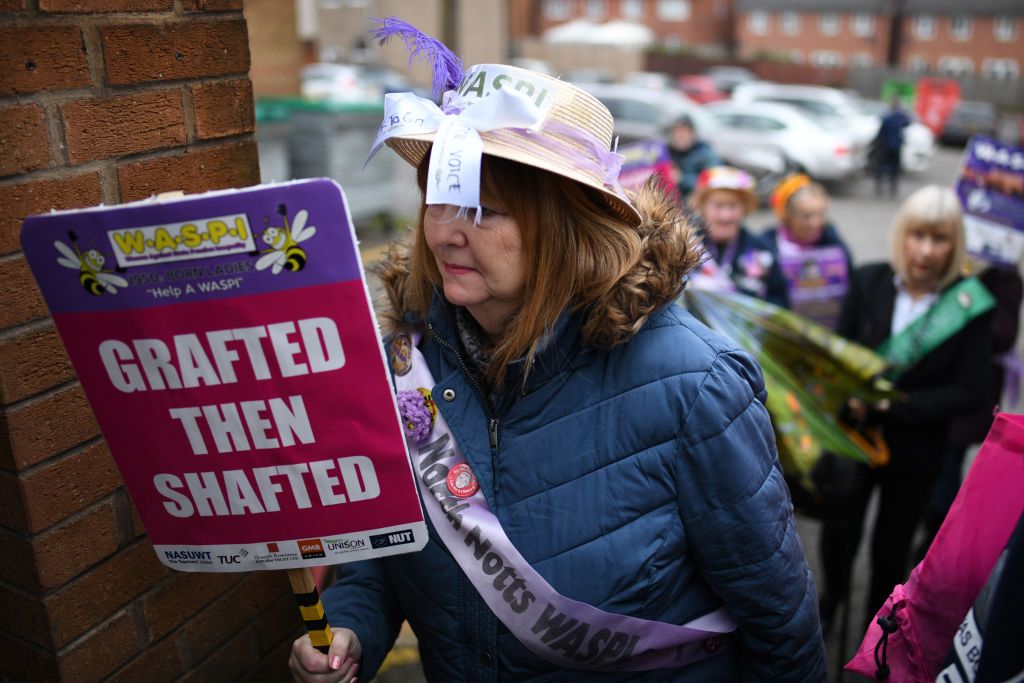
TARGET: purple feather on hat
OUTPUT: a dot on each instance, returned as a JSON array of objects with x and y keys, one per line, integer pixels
[{"x": 446, "y": 66}]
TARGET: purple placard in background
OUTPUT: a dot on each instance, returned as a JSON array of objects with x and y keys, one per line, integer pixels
[
  {"x": 991, "y": 190},
  {"x": 147, "y": 259}
]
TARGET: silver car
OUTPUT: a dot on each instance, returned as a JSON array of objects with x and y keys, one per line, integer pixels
[{"x": 796, "y": 141}]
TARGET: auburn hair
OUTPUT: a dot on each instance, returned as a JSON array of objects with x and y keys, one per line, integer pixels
[{"x": 578, "y": 255}]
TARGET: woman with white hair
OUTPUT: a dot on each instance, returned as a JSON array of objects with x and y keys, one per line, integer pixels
[{"x": 933, "y": 326}]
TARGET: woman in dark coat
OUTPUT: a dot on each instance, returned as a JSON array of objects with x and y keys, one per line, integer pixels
[
  {"x": 934, "y": 328},
  {"x": 738, "y": 260}
]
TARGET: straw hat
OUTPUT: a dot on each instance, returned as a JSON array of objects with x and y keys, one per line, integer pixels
[
  {"x": 576, "y": 123},
  {"x": 728, "y": 179}
]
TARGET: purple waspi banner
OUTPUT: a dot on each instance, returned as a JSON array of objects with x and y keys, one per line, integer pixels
[{"x": 991, "y": 190}]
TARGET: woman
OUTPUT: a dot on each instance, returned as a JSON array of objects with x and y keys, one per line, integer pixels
[
  {"x": 813, "y": 258},
  {"x": 739, "y": 260},
  {"x": 621, "y": 449},
  {"x": 934, "y": 328}
]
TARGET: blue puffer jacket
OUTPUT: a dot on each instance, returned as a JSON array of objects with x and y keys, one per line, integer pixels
[{"x": 642, "y": 480}]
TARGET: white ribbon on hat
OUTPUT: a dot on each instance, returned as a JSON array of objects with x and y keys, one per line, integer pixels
[{"x": 453, "y": 176}]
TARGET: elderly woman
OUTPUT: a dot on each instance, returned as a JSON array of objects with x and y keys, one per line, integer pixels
[
  {"x": 738, "y": 260},
  {"x": 813, "y": 258},
  {"x": 613, "y": 503},
  {"x": 933, "y": 326}
]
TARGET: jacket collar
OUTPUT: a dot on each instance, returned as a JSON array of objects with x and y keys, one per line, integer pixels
[{"x": 559, "y": 347}]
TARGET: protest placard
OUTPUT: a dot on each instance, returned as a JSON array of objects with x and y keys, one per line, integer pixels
[
  {"x": 641, "y": 160},
  {"x": 228, "y": 349},
  {"x": 991, "y": 190}
]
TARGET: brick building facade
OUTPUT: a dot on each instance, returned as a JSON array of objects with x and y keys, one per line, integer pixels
[
  {"x": 936, "y": 36},
  {"x": 675, "y": 23},
  {"x": 110, "y": 101}
]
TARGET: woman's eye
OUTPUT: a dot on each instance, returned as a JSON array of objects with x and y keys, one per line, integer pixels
[{"x": 489, "y": 212}]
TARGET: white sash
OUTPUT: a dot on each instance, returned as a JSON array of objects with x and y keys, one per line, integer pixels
[{"x": 562, "y": 631}]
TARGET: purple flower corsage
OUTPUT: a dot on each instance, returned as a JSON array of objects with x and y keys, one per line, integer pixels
[{"x": 417, "y": 418}]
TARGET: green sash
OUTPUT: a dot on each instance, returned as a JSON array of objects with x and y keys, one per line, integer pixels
[{"x": 957, "y": 306}]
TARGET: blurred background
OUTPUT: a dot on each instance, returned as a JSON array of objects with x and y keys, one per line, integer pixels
[{"x": 774, "y": 86}]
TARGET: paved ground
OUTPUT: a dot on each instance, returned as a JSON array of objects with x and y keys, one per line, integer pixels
[{"x": 863, "y": 220}]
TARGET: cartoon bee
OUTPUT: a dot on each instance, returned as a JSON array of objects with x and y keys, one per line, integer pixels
[
  {"x": 94, "y": 279},
  {"x": 285, "y": 252}
]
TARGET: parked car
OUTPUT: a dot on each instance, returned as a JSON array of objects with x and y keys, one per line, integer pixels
[
  {"x": 700, "y": 89},
  {"x": 338, "y": 83},
  {"x": 651, "y": 80},
  {"x": 643, "y": 114},
  {"x": 970, "y": 118},
  {"x": 354, "y": 83},
  {"x": 588, "y": 75},
  {"x": 918, "y": 140},
  {"x": 831, "y": 108},
  {"x": 760, "y": 131},
  {"x": 726, "y": 78}
]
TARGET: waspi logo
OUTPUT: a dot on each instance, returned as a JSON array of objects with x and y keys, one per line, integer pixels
[{"x": 201, "y": 238}]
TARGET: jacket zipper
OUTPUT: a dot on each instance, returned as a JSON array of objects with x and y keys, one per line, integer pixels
[{"x": 492, "y": 422}]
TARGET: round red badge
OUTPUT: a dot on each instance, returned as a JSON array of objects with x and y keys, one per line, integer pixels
[{"x": 461, "y": 481}]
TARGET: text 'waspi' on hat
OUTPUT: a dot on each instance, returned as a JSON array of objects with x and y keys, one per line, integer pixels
[{"x": 501, "y": 111}]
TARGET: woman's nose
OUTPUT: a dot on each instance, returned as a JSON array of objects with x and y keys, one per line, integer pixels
[{"x": 450, "y": 226}]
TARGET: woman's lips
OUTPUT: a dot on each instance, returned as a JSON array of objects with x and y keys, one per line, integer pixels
[{"x": 457, "y": 270}]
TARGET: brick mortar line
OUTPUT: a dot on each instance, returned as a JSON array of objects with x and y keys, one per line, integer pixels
[
  {"x": 55, "y": 459},
  {"x": 26, "y": 19},
  {"x": 94, "y": 55},
  {"x": 25, "y": 328},
  {"x": 61, "y": 172},
  {"x": 106, "y": 621},
  {"x": 56, "y": 132},
  {"x": 70, "y": 519},
  {"x": 103, "y": 92},
  {"x": 52, "y": 591},
  {"x": 110, "y": 187},
  {"x": 188, "y": 114},
  {"x": 21, "y": 641}
]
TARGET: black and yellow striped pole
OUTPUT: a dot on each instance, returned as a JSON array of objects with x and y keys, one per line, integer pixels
[{"x": 311, "y": 608}]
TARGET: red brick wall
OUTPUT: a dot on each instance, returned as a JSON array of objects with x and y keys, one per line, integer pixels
[
  {"x": 810, "y": 38},
  {"x": 709, "y": 23},
  {"x": 110, "y": 101},
  {"x": 981, "y": 43}
]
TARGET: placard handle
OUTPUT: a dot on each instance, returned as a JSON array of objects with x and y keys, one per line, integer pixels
[{"x": 310, "y": 607}]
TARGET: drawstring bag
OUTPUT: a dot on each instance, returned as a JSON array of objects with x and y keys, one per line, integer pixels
[{"x": 909, "y": 639}]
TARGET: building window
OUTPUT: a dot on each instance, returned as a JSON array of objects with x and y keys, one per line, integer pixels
[
  {"x": 960, "y": 27},
  {"x": 829, "y": 23},
  {"x": 861, "y": 59},
  {"x": 1001, "y": 69},
  {"x": 863, "y": 24},
  {"x": 917, "y": 64},
  {"x": 1005, "y": 29},
  {"x": 758, "y": 22},
  {"x": 789, "y": 23},
  {"x": 796, "y": 56},
  {"x": 924, "y": 27},
  {"x": 955, "y": 66},
  {"x": 557, "y": 10},
  {"x": 674, "y": 10},
  {"x": 826, "y": 59},
  {"x": 632, "y": 9},
  {"x": 595, "y": 9}
]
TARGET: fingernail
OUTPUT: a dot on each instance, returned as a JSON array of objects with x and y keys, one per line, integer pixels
[{"x": 336, "y": 662}]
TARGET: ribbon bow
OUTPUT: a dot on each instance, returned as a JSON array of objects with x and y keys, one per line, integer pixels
[{"x": 453, "y": 175}]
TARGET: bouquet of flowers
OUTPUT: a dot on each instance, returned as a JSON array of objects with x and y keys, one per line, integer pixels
[{"x": 810, "y": 372}]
